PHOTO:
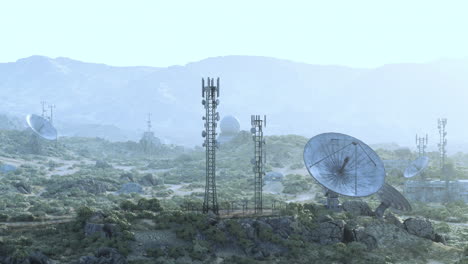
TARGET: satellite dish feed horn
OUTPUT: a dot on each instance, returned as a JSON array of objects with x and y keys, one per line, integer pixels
[
  {"x": 416, "y": 167},
  {"x": 391, "y": 197},
  {"x": 41, "y": 127},
  {"x": 343, "y": 165}
]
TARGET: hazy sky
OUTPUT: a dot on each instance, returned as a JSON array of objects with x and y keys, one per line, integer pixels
[{"x": 162, "y": 33}]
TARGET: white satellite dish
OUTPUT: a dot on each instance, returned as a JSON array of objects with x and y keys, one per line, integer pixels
[
  {"x": 416, "y": 167},
  {"x": 391, "y": 197},
  {"x": 344, "y": 164},
  {"x": 41, "y": 127}
]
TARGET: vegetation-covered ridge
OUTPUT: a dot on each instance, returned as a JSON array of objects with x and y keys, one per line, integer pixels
[{"x": 88, "y": 199}]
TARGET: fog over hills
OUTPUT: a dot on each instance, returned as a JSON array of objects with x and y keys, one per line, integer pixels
[{"x": 386, "y": 104}]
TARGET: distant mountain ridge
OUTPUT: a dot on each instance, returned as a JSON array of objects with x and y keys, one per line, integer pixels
[{"x": 386, "y": 104}]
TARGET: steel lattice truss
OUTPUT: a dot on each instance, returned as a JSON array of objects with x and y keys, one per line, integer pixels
[
  {"x": 210, "y": 93},
  {"x": 259, "y": 159},
  {"x": 442, "y": 122},
  {"x": 421, "y": 144}
]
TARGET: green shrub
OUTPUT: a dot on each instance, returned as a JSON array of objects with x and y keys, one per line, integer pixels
[
  {"x": 84, "y": 212},
  {"x": 3, "y": 217},
  {"x": 24, "y": 217},
  {"x": 149, "y": 204},
  {"x": 176, "y": 252}
]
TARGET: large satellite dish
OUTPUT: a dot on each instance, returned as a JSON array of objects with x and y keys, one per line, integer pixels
[
  {"x": 391, "y": 197},
  {"x": 42, "y": 127},
  {"x": 416, "y": 167},
  {"x": 344, "y": 165}
]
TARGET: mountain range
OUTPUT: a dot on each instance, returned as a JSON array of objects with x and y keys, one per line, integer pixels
[{"x": 390, "y": 103}]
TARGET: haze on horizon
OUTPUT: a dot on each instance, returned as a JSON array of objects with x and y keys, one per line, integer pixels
[{"x": 362, "y": 33}]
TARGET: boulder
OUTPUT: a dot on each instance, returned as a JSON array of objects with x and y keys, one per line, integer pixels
[
  {"x": 360, "y": 235},
  {"x": 33, "y": 258},
  {"x": 104, "y": 256},
  {"x": 439, "y": 238},
  {"x": 281, "y": 225},
  {"x": 131, "y": 188},
  {"x": 149, "y": 180},
  {"x": 39, "y": 258},
  {"x": 328, "y": 232},
  {"x": 100, "y": 164},
  {"x": 127, "y": 176},
  {"x": 420, "y": 227},
  {"x": 95, "y": 224},
  {"x": 357, "y": 208}
]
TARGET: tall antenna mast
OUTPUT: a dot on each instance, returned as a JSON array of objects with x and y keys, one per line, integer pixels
[
  {"x": 44, "y": 111},
  {"x": 51, "y": 117},
  {"x": 443, "y": 141},
  {"x": 421, "y": 144},
  {"x": 149, "y": 122},
  {"x": 442, "y": 122},
  {"x": 210, "y": 94},
  {"x": 259, "y": 159}
]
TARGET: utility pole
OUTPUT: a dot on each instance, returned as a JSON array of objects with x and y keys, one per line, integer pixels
[
  {"x": 210, "y": 94},
  {"x": 259, "y": 160}
]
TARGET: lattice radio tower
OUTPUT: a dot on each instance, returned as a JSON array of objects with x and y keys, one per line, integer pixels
[
  {"x": 442, "y": 122},
  {"x": 148, "y": 122},
  {"x": 259, "y": 159},
  {"x": 51, "y": 117},
  {"x": 44, "y": 110},
  {"x": 210, "y": 94},
  {"x": 421, "y": 144}
]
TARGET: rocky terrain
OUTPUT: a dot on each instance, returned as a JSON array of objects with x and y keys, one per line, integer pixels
[{"x": 94, "y": 201}]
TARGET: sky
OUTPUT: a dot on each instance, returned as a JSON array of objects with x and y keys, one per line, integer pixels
[{"x": 163, "y": 33}]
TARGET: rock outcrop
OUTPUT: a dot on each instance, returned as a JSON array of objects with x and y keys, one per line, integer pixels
[
  {"x": 131, "y": 187},
  {"x": 100, "y": 164},
  {"x": 328, "y": 232},
  {"x": 95, "y": 224},
  {"x": 357, "y": 208},
  {"x": 33, "y": 258},
  {"x": 103, "y": 256},
  {"x": 149, "y": 180},
  {"x": 420, "y": 227}
]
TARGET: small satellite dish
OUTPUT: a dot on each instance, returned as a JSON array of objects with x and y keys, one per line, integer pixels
[
  {"x": 391, "y": 197},
  {"x": 344, "y": 165},
  {"x": 416, "y": 167},
  {"x": 41, "y": 127}
]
